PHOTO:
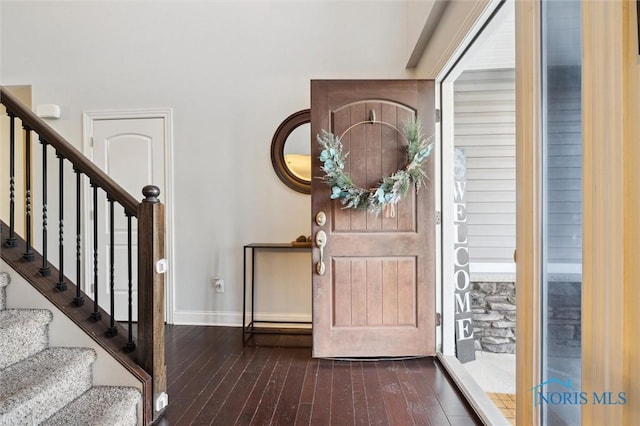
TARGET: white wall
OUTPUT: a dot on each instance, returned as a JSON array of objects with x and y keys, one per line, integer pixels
[
  {"x": 231, "y": 71},
  {"x": 1, "y": 41},
  {"x": 418, "y": 27},
  {"x": 452, "y": 32}
]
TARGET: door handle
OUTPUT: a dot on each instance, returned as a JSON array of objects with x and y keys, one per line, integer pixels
[{"x": 321, "y": 242}]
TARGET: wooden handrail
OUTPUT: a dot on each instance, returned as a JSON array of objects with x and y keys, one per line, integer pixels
[{"x": 80, "y": 161}]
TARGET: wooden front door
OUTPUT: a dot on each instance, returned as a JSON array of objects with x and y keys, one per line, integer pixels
[{"x": 376, "y": 296}]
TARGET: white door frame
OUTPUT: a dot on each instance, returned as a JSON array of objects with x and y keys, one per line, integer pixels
[
  {"x": 445, "y": 82},
  {"x": 166, "y": 114},
  {"x": 478, "y": 399}
]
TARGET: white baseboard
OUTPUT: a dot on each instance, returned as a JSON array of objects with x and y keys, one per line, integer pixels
[{"x": 232, "y": 319}]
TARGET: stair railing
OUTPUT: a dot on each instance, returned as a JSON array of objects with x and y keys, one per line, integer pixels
[{"x": 148, "y": 349}]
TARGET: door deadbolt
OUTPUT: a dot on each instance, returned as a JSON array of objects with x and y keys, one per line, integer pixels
[{"x": 321, "y": 218}]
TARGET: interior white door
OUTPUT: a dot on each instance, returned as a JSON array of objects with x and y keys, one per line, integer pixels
[{"x": 132, "y": 152}]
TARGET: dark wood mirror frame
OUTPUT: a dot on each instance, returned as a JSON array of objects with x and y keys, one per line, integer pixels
[{"x": 277, "y": 151}]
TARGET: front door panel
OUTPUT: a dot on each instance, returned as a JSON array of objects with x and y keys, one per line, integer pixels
[{"x": 377, "y": 294}]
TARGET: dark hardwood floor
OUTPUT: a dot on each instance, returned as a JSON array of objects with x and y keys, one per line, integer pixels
[{"x": 216, "y": 379}]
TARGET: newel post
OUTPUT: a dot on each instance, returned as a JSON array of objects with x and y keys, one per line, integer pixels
[{"x": 151, "y": 269}]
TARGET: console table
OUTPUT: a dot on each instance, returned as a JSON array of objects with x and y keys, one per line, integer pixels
[{"x": 250, "y": 328}]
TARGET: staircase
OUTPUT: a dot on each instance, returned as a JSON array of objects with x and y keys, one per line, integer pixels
[
  {"x": 53, "y": 386},
  {"x": 38, "y": 382}
]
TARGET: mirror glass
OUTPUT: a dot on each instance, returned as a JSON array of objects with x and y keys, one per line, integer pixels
[
  {"x": 291, "y": 151},
  {"x": 297, "y": 152}
]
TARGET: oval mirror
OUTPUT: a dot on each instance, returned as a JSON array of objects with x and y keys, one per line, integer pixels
[{"x": 291, "y": 151}]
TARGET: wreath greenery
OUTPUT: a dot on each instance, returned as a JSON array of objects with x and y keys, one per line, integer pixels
[{"x": 391, "y": 189}]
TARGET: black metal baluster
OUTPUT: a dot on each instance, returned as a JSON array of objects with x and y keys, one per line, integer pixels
[
  {"x": 130, "y": 346},
  {"x": 112, "y": 330},
  {"x": 79, "y": 299},
  {"x": 28, "y": 255},
  {"x": 45, "y": 271},
  {"x": 11, "y": 240},
  {"x": 61, "y": 285},
  {"x": 95, "y": 315}
]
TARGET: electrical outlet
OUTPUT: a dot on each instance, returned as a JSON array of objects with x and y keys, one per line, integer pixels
[
  {"x": 218, "y": 283},
  {"x": 162, "y": 401}
]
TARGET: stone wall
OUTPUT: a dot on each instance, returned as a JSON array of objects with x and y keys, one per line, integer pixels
[
  {"x": 494, "y": 317},
  {"x": 564, "y": 319}
]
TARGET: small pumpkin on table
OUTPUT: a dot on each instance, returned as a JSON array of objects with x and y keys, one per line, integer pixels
[{"x": 302, "y": 241}]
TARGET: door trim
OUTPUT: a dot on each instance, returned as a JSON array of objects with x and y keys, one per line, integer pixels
[
  {"x": 528, "y": 186},
  {"x": 166, "y": 114},
  {"x": 608, "y": 58}
]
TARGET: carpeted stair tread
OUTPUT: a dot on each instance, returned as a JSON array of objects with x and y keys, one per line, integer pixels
[
  {"x": 100, "y": 406},
  {"x": 5, "y": 279},
  {"x": 23, "y": 332},
  {"x": 13, "y": 317},
  {"x": 53, "y": 386},
  {"x": 35, "y": 388}
]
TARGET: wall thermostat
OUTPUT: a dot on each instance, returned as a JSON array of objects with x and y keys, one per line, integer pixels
[{"x": 48, "y": 111}]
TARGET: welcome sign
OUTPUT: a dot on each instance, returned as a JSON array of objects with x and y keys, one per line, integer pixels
[{"x": 465, "y": 346}]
